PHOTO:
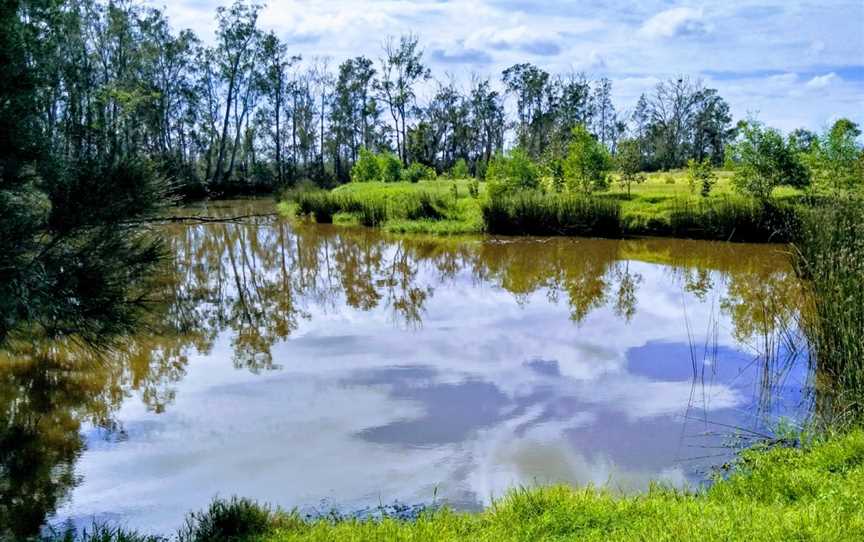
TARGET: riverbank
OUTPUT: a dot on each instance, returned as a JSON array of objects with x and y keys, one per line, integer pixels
[
  {"x": 789, "y": 491},
  {"x": 664, "y": 205}
]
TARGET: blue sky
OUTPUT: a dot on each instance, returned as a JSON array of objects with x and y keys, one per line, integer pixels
[{"x": 788, "y": 63}]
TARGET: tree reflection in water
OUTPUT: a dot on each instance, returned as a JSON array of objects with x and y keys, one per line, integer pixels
[{"x": 256, "y": 282}]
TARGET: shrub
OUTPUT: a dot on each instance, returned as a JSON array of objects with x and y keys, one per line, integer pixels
[
  {"x": 474, "y": 189},
  {"x": 511, "y": 173},
  {"x": 629, "y": 161},
  {"x": 226, "y": 521},
  {"x": 460, "y": 170},
  {"x": 417, "y": 172},
  {"x": 389, "y": 167},
  {"x": 587, "y": 163},
  {"x": 366, "y": 167},
  {"x": 701, "y": 174},
  {"x": 762, "y": 160}
]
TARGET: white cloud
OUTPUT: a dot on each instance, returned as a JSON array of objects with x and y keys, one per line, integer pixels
[
  {"x": 822, "y": 81},
  {"x": 674, "y": 22},
  {"x": 628, "y": 43}
]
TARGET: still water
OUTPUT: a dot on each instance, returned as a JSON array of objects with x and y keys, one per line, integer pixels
[{"x": 315, "y": 367}]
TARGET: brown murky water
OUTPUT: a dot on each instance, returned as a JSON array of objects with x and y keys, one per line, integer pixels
[{"x": 314, "y": 366}]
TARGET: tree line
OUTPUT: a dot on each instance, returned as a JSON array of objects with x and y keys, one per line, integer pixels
[{"x": 244, "y": 112}]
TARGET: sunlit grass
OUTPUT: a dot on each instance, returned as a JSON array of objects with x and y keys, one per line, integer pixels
[{"x": 663, "y": 205}]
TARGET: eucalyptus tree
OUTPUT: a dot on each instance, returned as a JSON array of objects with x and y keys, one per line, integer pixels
[
  {"x": 575, "y": 104},
  {"x": 238, "y": 38},
  {"x": 275, "y": 63},
  {"x": 531, "y": 87},
  {"x": 673, "y": 110},
  {"x": 712, "y": 127},
  {"x": 402, "y": 70},
  {"x": 488, "y": 119},
  {"x": 604, "y": 116}
]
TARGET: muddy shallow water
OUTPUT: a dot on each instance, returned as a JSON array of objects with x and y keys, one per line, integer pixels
[{"x": 315, "y": 366}]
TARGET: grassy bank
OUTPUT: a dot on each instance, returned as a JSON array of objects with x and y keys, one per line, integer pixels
[
  {"x": 663, "y": 205},
  {"x": 813, "y": 492}
]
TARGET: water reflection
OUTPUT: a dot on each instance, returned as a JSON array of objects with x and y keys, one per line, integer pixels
[{"x": 294, "y": 363}]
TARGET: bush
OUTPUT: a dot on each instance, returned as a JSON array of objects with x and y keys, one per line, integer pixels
[
  {"x": 587, "y": 163},
  {"x": 389, "y": 167},
  {"x": 226, "y": 521},
  {"x": 366, "y": 167},
  {"x": 762, "y": 160},
  {"x": 474, "y": 189},
  {"x": 535, "y": 213},
  {"x": 511, "y": 173},
  {"x": 460, "y": 170},
  {"x": 417, "y": 172},
  {"x": 701, "y": 174}
]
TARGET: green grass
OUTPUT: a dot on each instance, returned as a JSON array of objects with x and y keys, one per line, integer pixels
[
  {"x": 655, "y": 207},
  {"x": 777, "y": 494},
  {"x": 780, "y": 494},
  {"x": 534, "y": 213}
]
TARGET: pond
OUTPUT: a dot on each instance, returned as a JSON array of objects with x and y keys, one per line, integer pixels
[{"x": 324, "y": 367}]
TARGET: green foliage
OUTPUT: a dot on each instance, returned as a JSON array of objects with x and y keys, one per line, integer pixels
[
  {"x": 762, "y": 160},
  {"x": 535, "y": 213},
  {"x": 390, "y": 167},
  {"x": 481, "y": 167},
  {"x": 229, "y": 520},
  {"x": 629, "y": 161},
  {"x": 512, "y": 173},
  {"x": 460, "y": 170},
  {"x": 587, "y": 164},
  {"x": 417, "y": 172},
  {"x": 835, "y": 159},
  {"x": 474, "y": 189},
  {"x": 701, "y": 174},
  {"x": 366, "y": 168}
]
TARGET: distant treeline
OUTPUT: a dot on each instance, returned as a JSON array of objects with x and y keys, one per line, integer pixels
[{"x": 114, "y": 80}]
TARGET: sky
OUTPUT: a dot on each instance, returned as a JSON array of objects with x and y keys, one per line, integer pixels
[{"x": 789, "y": 64}]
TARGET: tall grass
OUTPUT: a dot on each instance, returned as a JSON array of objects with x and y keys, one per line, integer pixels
[
  {"x": 734, "y": 219},
  {"x": 535, "y": 213},
  {"x": 373, "y": 209},
  {"x": 829, "y": 255}
]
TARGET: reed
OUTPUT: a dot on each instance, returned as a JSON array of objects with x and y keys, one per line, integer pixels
[
  {"x": 829, "y": 255},
  {"x": 734, "y": 219},
  {"x": 535, "y": 213}
]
